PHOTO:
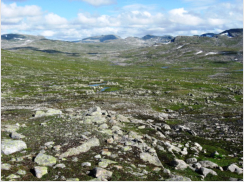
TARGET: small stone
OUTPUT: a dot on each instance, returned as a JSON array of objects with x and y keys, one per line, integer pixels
[
  {"x": 86, "y": 164},
  {"x": 16, "y": 135},
  {"x": 110, "y": 140},
  {"x": 5, "y": 166},
  {"x": 12, "y": 176},
  {"x": 72, "y": 179},
  {"x": 21, "y": 172},
  {"x": 105, "y": 162},
  {"x": 40, "y": 171},
  {"x": 59, "y": 166},
  {"x": 205, "y": 171},
  {"x": 178, "y": 178},
  {"x": 118, "y": 167},
  {"x": 101, "y": 173},
  {"x": 191, "y": 160},
  {"x": 98, "y": 156},
  {"x": 142, "y": 127},
  {"x": 156, "y": 169}
]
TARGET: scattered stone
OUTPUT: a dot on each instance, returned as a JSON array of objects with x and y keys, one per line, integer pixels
[
  {"x": 101, "y": 173},
  {"x": 40, "y": 171},
  {"x": 106, "y": 152},
  {"x": 10, "y": 128},
  {"x": 191, "y": 160},
  {"x": 45, "y": 160},
  {"x": 205, "y": 171},
  {"x": 151, "y": 159},
  {"x": 98, "y": 156},
  {"x": 9, "y": 146},
  {"x": 5, "y": 166},
  {"x": 178, "y": 164},
  {"x": 118, "y": 167},
  {"x": 21, "y": 172},
  {"x": 208, "y": 164},
  {"x": 16, "y": 135},
  {"x": 105, "y": 162},
  {"x": 59, "y": 166},
  {"x": 13, "y": 176},
  {"x": 49, "y": 112},
  {"x": 178, "y": 178},
  {"x": 72, "y": 179},
  {"x": 235, "y": 168},
  {"x": 86, "y": 164}
]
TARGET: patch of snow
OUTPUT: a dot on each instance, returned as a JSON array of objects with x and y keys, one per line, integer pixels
[
  {"x": 18, "y": 38},
  {"x": 167, "y": 43},
  {"x": 180, "y": 47},
  {"x": 199, "y": 52},
  {"x": 211, "y": 53},
  {"x": 224, "y": 34}
]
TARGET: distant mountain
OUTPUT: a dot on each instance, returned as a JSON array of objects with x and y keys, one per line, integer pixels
[
  {"x": 209, "y": 35},
  {"x": 233, "y": 32},
  {"x": 158, "y": 39},
  {"x": 102, "y": 38},
  {"x": 12, "y": 37}
]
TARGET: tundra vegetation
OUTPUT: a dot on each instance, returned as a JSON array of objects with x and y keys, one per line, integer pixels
[{"x": 123, "y": 109}]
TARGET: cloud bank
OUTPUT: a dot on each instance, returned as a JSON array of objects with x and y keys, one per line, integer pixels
[{"x": 132, "y": 20}]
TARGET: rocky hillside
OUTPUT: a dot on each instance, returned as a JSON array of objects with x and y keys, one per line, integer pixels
[{"x": 102, "y": 38}]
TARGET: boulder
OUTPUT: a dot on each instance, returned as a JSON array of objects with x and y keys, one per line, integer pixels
[
  {"x": 49, "y": 112},
  {"x": 205, "y": 171},
  {"x": 16, "y": 135},
  {"x": 191, "y": 160},
  {"x": 93, "y": 142},
  {"x": 105, "y": 162},
  {"x": 208, "y": 164},
  {"x": 45, "y": 160},
  {"x": 178, "y": 164},
  {"x": 235, "y": 168},
  {"x": 9, "y": 146},
  {"x": 40, "y": 171},
  {"x": 101, "y": 173},
  {"x": 151, "y": 159},
  {"x": 5, "y": 166}
]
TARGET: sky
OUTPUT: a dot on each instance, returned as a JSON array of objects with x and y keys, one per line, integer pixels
[{"x": 78, "y": 19}]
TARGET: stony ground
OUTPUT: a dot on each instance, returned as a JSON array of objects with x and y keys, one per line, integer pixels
[{"x": 164, "y": 112}]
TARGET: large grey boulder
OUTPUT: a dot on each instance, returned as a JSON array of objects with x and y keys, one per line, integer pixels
[
  {"x": 9, "y": 146},
  {"x": 45, "y": 160},
  {"x": 235, "y": 168},
  {"x": 209, "y": 164},
  {"x": 205, "y": 171},
  {"x": 93, "y": 142},
  {"x": 191, "y": 160},
  {"x": 151, "y": 159},
  {"x": 178, "y": 164}
]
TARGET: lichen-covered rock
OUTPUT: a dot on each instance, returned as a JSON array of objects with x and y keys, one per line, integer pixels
[
  {"x": 122, "y": 118},
  {"x": 21, "y": 172},
  {"x": 49, "y": 112},
  {"x": 101, "y": 173},
  {"x": 151, "y": 159},
  {"x": 93, "y": 142},
  {"x": 9, "y": 146},
  {"x": 86, "y": 164},
  {"x": 5, "y": 166},
  {"x": 45, "y": 160},
  {"x": 40, "y": 171},
  {"x": 105, "y": 162},
  {"x": 178, "y": 164},
  {"x": 72, "y": 179},
  {"x": 12, "y": 176},
  {"x": 10, "y": 128}
]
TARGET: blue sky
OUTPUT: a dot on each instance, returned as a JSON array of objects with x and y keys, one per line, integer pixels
[{"x": 77, "y": 19}]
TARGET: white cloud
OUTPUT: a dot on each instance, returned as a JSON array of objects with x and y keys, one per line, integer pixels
[
  {"x": 100, "y": 2},
  {"x": 131, "y": 20},
  {"x": 182, "y": 16},
  {"x": 48, "y": 33}
]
